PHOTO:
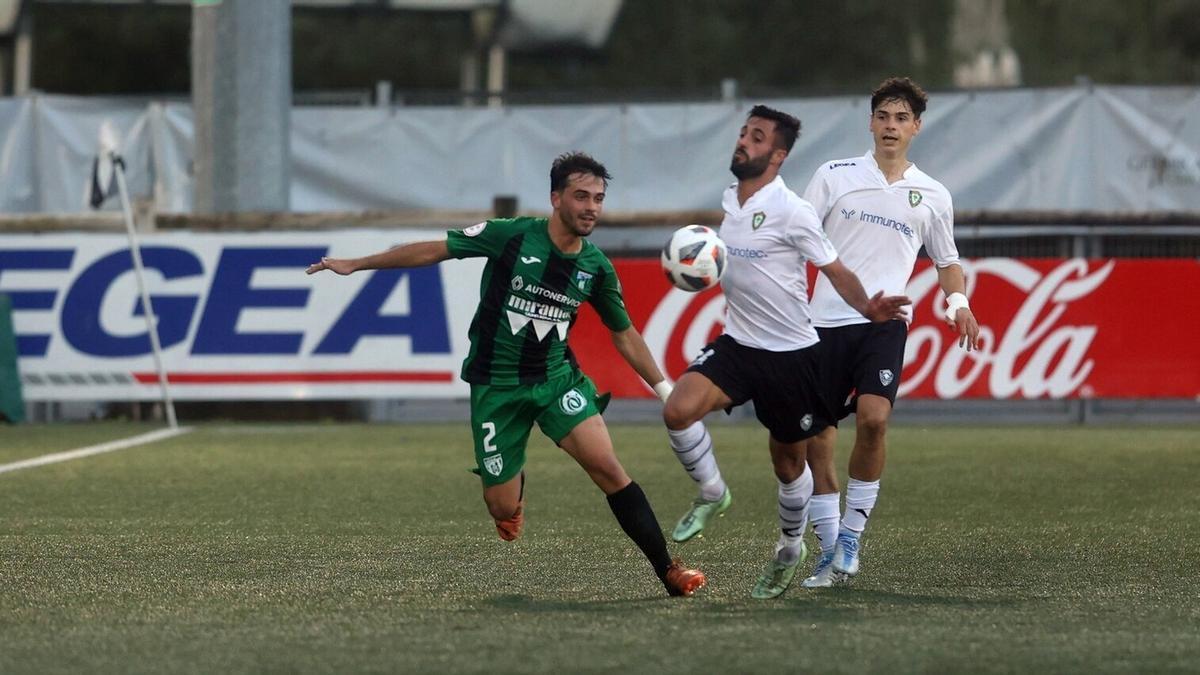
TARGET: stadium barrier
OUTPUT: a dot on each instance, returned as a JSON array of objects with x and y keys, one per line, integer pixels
[
  {"x": 239, "y": 320},
  {"x": 1112, "y": 149}
]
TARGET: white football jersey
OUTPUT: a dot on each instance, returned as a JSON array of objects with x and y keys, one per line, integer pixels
[
  {"x": 877, "y": 229},
  {"x": 769, "y": 238}
]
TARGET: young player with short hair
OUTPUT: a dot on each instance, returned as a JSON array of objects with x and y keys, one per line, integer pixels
[{"x": 878, "y": 210}]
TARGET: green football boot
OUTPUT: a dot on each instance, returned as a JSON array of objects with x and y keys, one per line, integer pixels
[
  {"x": 777, "y": 577},
  {"x": 696, "y": 519}
]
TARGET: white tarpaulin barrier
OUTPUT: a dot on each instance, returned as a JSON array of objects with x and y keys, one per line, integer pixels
[{"x": 1115, "y": 149}]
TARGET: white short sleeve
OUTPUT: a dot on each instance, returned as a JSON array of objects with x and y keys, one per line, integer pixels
[
  {"x": 939, "y": 240},
  {"x": 818, "y": 193},
  {"x": 808, "y": 236}
]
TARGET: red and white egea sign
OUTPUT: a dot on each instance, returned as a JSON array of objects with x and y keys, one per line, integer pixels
[{"x": 1051, "y": 328}]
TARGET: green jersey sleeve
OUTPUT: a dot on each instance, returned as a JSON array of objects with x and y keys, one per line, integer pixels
[
  {"x": 609, "y": 302},
  {"x": 482, "y": 240}
]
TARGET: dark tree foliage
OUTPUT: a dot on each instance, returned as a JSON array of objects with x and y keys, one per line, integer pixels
[{"x": 667, "y": 48}]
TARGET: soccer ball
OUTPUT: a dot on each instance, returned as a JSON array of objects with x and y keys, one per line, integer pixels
[{"x": 694, "y": 258}]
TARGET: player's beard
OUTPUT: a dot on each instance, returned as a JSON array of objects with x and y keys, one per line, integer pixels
[
  {"x": 575, "y": 225},
  {"x": 751, "y": 168}
]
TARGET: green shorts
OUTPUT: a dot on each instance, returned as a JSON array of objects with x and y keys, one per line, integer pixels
[{"x": 502, "y": 417}]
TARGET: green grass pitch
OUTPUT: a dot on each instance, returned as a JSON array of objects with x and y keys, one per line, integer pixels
[{"x": 354, "y": 548}]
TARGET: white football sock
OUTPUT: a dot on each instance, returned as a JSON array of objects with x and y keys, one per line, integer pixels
[
  {"x": 824, "y": 511},
  {"x": 693, "y": 448},
  {"x": 860, "y": 499},
  {"x": 793, "y": 516}
]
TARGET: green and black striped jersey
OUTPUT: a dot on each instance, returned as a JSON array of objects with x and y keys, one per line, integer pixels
[{"x": 528, "y": 299}]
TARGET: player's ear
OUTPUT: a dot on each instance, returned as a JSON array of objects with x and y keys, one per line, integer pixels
[
  {"x": 555, "y": 199},
  {"x": 917, "y": 126},
  {"x": 778, "y": 155}
]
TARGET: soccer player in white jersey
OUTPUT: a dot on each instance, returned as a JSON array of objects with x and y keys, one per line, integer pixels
[
  {"x": 878, "y": 210},
  {"x": 765, "y": 354}
]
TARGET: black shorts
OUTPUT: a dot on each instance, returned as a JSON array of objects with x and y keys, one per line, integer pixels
[
  {"x": 863, "y": 358},
  {"x": 782, "y": 385}
]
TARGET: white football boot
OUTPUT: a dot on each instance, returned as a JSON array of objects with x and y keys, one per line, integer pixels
[
  {"x": 845, "y": 554},
  {"x": 823, "y": 575}
]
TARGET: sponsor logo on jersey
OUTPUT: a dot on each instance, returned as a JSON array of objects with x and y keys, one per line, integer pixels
[
  {"x": 806, "y": 422},
  {"x": 914, "y": 198},
  {"x": 886, "y": 376},
  {"x": 530, "y": 259},
  {"x": 896, "y": 225},
  {"x": 572, "y": 402},
  {"x": 545, "y": 318},
  {"x": 745, "y": 252},
  {"x": 849, "y": 214},
  {"x": 583, "y": 280},
  {"x": 517, "y": 283},
  {"x": 758, "y": 219},
  {"x": 840, "y": 164},
  {"x": 494, "y": 464},
  {"x": 474, "y": 230},
  {"x": 562, "y": 298}
]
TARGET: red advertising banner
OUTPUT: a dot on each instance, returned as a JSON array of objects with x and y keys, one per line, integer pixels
[{"x": 1051, "y": 328}]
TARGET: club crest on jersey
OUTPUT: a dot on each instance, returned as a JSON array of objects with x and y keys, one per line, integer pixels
[
  {"x": 494, "y": 464},
  {"x": 806, "y": 422},
  {"x": 583, "y": 280},
  {"x": 886, "y": 377},
  {"x": 758, "y": 219},
  {"x": 572, "y": 402},
  {"x": 914, "y": 198}
]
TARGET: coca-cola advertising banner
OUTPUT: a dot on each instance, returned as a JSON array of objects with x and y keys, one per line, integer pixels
[
  {"x": 239, "y": 320},
  {"x": 1050, "y": 328}
]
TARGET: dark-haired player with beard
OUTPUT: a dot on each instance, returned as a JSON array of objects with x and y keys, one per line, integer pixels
[
  {"x": 878, "y": 210},
  {"x": 765, "y": 354},
  {"x": 539, "y": 272}
]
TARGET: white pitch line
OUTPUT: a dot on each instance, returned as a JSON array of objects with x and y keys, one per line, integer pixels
[{"x": 94, "y": 449}]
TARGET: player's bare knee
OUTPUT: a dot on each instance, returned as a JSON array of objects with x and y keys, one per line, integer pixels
[
  {"x": 788, "y": 470},
  {"x": 873, "y": 425},
  {"x": 677, "y": 417}
]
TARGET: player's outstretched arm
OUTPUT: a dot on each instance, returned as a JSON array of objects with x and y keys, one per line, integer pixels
[
  {"x": 407, "y": 255},
  {"x": 877, "y": 307},
  {"x": 632, "y": 347},
  {"x": 958, "y": 312}
]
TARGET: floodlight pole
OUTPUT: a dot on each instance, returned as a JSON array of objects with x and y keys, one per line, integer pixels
[{"x": 151, "y": 322}]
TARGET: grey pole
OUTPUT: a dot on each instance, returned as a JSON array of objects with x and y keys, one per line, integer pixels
[
  {"x": 241, "y": 104},
  {"x": 135, "y": 250}
]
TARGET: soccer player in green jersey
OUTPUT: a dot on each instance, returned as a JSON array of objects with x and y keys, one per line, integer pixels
[{"x": 539, "y": 272}]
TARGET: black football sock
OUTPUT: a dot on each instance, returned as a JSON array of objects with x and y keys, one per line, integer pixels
[{"x": 633, "y": 512}]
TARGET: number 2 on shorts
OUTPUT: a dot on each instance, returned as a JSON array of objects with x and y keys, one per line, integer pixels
[{"x": 490, "y": 428}]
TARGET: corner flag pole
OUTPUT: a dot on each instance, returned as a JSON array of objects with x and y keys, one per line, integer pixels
[{"x": 151, "y": 321}]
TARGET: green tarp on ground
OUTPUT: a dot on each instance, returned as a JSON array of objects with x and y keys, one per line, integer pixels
[{"x": 12, "y": 405}]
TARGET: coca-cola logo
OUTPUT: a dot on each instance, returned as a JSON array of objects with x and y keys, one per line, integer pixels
[
  {"x": 1036, "y": 356},
  {"x": 681, "y": 325}
]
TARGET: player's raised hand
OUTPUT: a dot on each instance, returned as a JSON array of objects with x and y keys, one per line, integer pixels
[
  {"x": 880, "y": 308},
  {"x": 342, "y": 266},
  {"x": 967, "y": 328}
]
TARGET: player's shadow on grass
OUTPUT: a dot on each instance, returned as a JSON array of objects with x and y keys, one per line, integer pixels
[
  {"x": 879, "y": 596},
  {"x": 525, "y": 603}
]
